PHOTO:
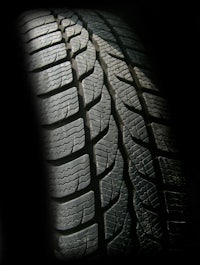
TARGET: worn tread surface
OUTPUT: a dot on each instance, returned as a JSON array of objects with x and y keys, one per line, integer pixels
[{"x": 115, "y": 179}]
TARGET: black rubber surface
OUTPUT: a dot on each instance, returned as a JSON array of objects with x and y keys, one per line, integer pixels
[
  {"x": 170, "y": 32},
  {"x": 115, "y": 176}
]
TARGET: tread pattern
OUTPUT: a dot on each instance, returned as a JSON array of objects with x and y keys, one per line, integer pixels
[
  {"x": 44, "y": 41},
  {"x": 140, "y": 156},
  {"x": 80, "y": 42},
  {"x": 78, "y": 244},
  {"x": 29, "y": 16},
  {"x": 175, "y": 202},
  {"x": 99, "y": 115},
  {"x": 106, "y": 148},
  {"x": 122, "y": 242},
  {"x": 75, "y": 212},
  {"x": 86, "y": 60},
  {"x": 93, "y": 84},
  {"x": 52, "y": 78},
  {"x": 164, "y": 137},
  {"x": 70, "y": 177},
  {"x": 145, "y": 78},
  {"x": 47, "y": 56},
  {"x": 172, "y": 171},
  {"x": 40, "y": 31},
  {"x": 138, "y": 58},
  {"x": 66, "y": 22},
  {"x": 157, "y": 106},
  {"x": 107, "y": 135},
  {"x": 134, "y": 122},
  {"x": 72, "y": 30},
  {"x": 65, "y": 140},
  {"x": 59, "y": 107},
  {"x": 115, "y": 216},
  {"x": 35, "y": 22},
  {"x": 110, "y": 185},
  {"x": 127, "y": 94}
]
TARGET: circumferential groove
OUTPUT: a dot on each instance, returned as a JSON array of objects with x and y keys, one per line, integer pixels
[{"x": 78, "y": 77}]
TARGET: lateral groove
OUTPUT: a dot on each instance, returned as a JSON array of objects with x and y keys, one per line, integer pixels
[
  {"x": 93, "y": 103},
  {"x": 45, "y": 46},
  {"x": 111, "y": 203},
  {"x": 62, "y": 122},
  {"x": 49, "y": 65},
  {"x": 101, "y": 134},
  {"x": 73, "y": 230}
]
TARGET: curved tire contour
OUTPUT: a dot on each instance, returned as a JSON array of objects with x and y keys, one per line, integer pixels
[{"x": 115, "y": 179}]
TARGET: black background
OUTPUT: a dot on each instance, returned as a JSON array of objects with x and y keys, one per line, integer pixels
[{"x": 170, "y": 33}]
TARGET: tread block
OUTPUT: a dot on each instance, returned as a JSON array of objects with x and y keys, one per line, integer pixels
[
  {"x": 148, "y": 246},
  {"x": 68, "y": 178},
  {"x": 29, "y": 15},
  {"x": 100, "y": 29},
  {"x": 36, "y": 22},
  {"x": 106, "y": 148},
  {"x": 106, "y": 47},
  {"x": 43, "y": 41},
  {"x": 79, "y": 42},
  {"x": 172, "y": 172},
  {"x": 79, "y": 244},
  {"x": 157, "y": 106},
  {"x": 114, "y": 218},
  {"x": 164, "y": 137},
  {"x": 110, "y": 185},
  {"x": 145, "y": 78},
  {"x": 93, "y": 84},
  {"x": 124, "y": 91},
  {"x": 86, "y": 59},
  {"x": 148, "y": 220},
  {"x": 71, "y": 19},
  {"x": 39, "y": 31},
  {"x": 134, "y": 122},
  {"x": 104, "y": 34},
  {"x": 117, "y": 68},
  {"x": 145, "y": 189},
  {"x": 122, "y": 242},
  {"x": 47, "y": 56},
  {"x": 99, "y": 114},
  {"x": 139, "y": 155},
  {"x": 127, "y": 94},
  {"x": 176, "y": 202},
  {"x": 59, "y": 106},
  {"x": 65, "y": 140},
  {"x": 72, "y": 213},
  {"x": 73, "y": 30},
  {"x": 52, "y": 78}
]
